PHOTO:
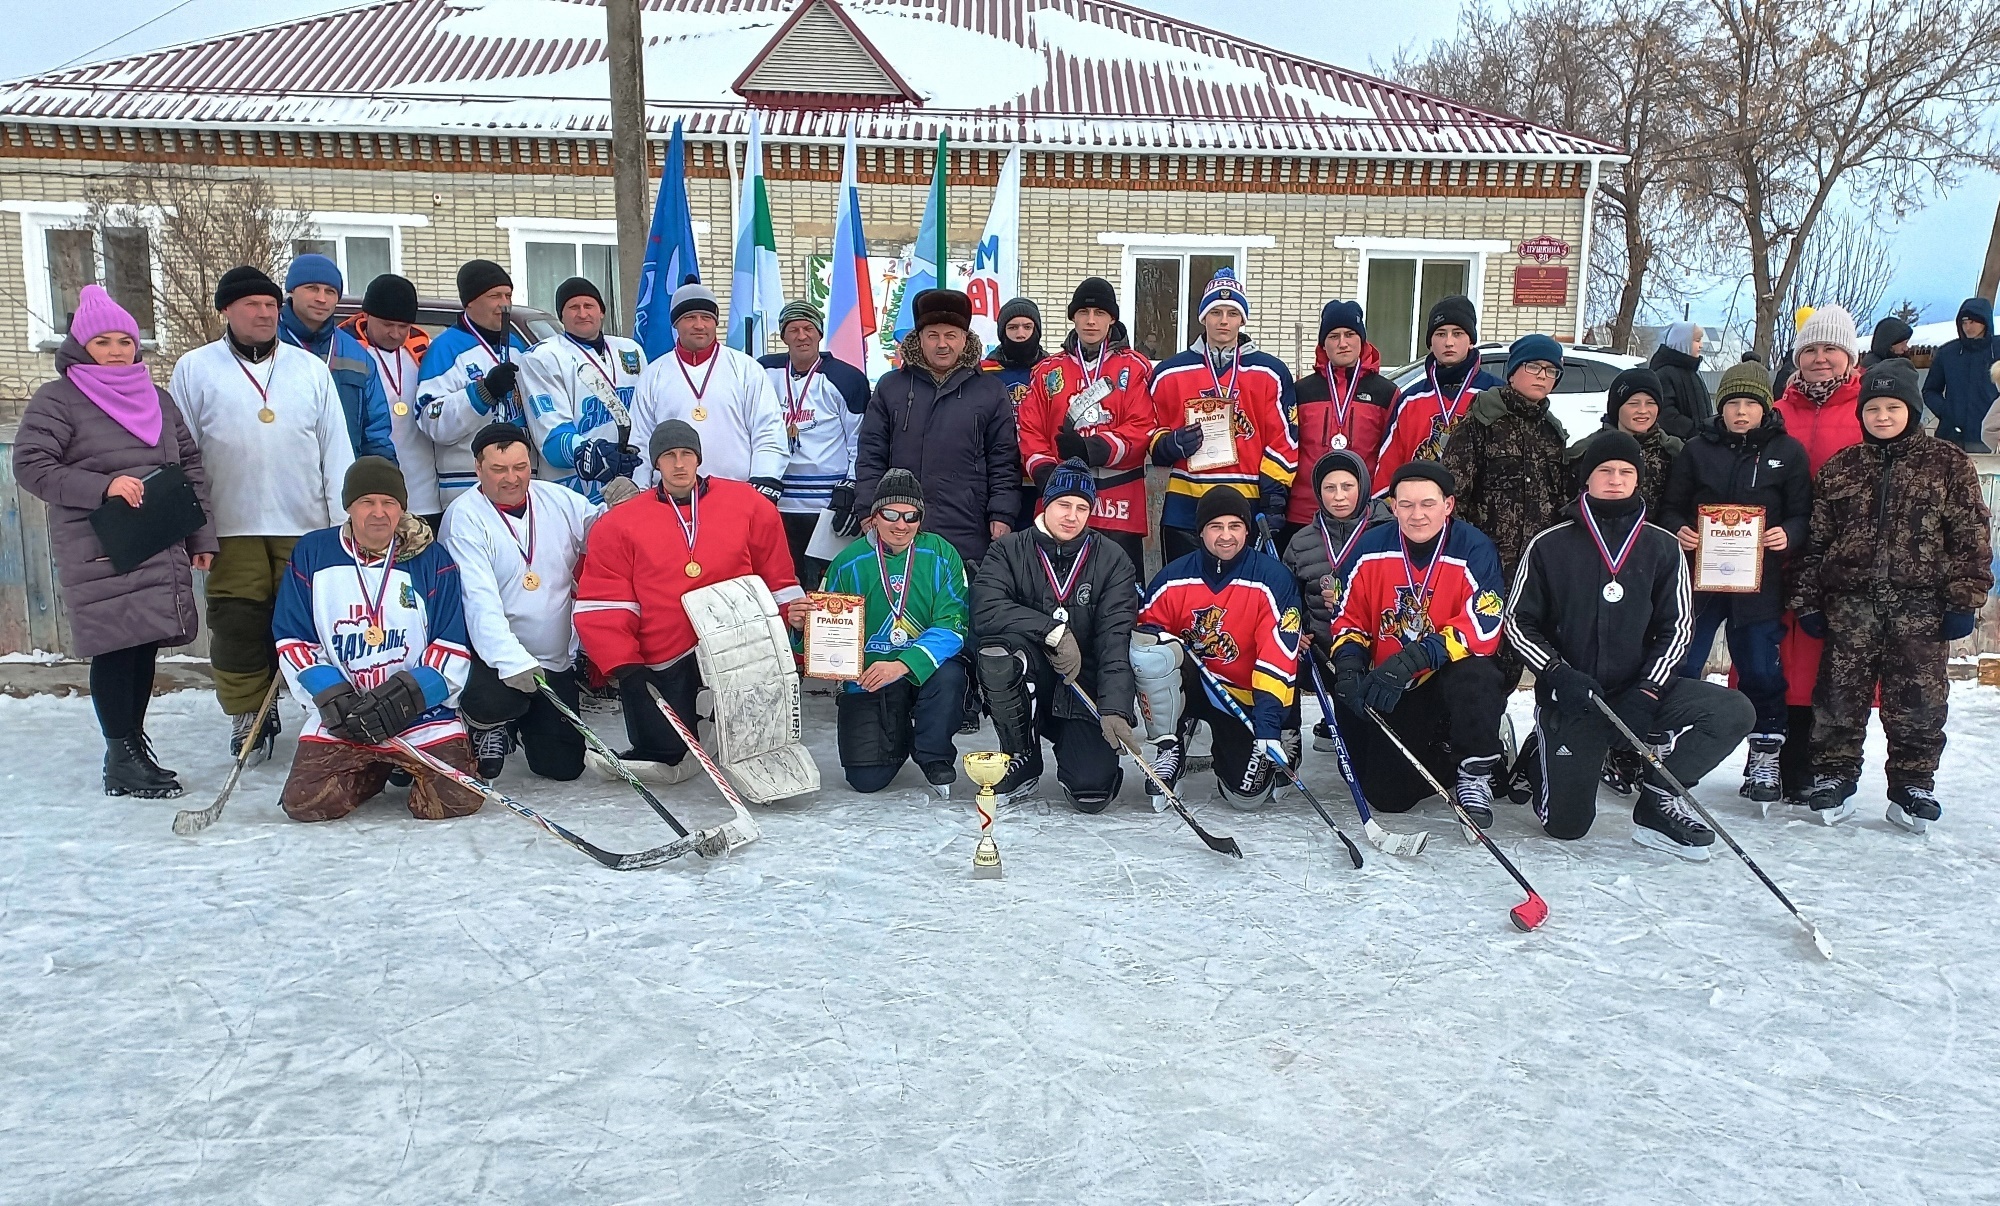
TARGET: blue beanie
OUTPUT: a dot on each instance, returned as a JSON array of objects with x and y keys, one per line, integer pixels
[
  {"x": 1223, "y": 289},
  {"x": 1070, "y": 477},
  {"x": 1341, "y": 315},
  {"x": 1534, "y": 347},
  {"x": 313, "y": 269}
]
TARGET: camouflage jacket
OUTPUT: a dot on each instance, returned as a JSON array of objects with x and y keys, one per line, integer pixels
[
  {"x": 1507, "y": 455},
  {"x": 1908, "y": 516},
  {"x": 1660, "y": 449}
]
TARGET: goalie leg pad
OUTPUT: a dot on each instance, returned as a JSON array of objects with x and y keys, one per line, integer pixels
[
  {"x": 1003, "y": 678},
  {"x": 745, "y": 653},
  {"x": 1156, "y": 665}
]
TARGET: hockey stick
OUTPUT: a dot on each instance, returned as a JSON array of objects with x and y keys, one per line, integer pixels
[
  {"x": 190, "y": 821},
  {"x": 1530, "y": 912},
  {"x": 702, "y": 842},
  {"x": 1234, "y": 709},
  {"x": 1386, "y": 840},
  {"x": 728, "y": 829},
  {"x": 744, "y": 822},
  {"x": 1646, "y": 751},
  {"x": 1221, "y": 845}
]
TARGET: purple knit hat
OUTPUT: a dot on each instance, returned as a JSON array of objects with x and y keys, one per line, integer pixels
[{"x": 97, "y": 314}]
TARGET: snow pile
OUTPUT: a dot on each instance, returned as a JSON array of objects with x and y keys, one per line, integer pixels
[{"x": 386, "y": 1010}]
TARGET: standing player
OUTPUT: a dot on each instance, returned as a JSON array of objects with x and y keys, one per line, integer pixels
[
  {"x": 823, "y": 399},
  {"x": 572, "y": 382},
  {"x": 1426, "y": 415},
  {"x": 721, "y": 393},
  {"x": 386, "y": 327},
  {"x": 1013, "y": 360},
  {"x": 1343, "y": 406},
  {"x": 469, "y": 374}
]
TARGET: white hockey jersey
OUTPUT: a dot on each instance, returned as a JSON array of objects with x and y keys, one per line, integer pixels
[
  {"x": 728, "y": 399},
  {"x": 453, "y": 406},
  {"x": 415, "y": 454},
  {"x": 513, "y": 628},
  {"x": 822, "y": 413},
  {"x": 576, "y": 393}
]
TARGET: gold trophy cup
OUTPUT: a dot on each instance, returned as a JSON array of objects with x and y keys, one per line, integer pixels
[{"x": 986, "y": 769}]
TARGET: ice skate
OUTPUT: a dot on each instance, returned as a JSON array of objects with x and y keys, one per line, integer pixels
[
  {"x": 1831, "y": 800},
  {"x": 1024, "y": 771},
  {"x": 1663, "y": 821},
  {"x": 1761, "y": 783},
  {"x": 1912, "y": 807},
  {"x": 940, "y": 775},
  {"x": 1323, "y": 737},
  {"x": 267, "y": 740},
  {"x": 489, "y": 750},
  {"x": 1168, "y": 765},
  {"x": 1474, "y": 789}
]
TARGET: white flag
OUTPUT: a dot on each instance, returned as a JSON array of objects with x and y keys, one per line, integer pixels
[{"x": 996, "y": 262}]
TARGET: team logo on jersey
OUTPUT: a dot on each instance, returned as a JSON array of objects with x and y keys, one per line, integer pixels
[
  {"x": 1487, "y": 603},
  {"x": 407, "y": 597},
  {"x": 1124, "y": 377},
  {"x": 1083, "y": 595},
  {"x": 629, "y": 360},
  {"x": 1289, "y": 622},
  {"x": 1052, "y": 381},
  {"x": 1242, "y": 426},
  {"x": 473, "y": 372},
  {"x": 1408, "y": 621},
  {"x": 1206, "y": 637},
  {"x": 1017, "y": 392},
  {"x": 591, "y": 415}
]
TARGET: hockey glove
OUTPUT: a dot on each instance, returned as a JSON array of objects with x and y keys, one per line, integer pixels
[
  {"x": 1272, "y": 750},
  {"x": 499, "y": 383},
  {"x": 1043, "y": 472},
  {"x": 1118, "y": 732},
  {"x": 527, "y": 682},
  {"x": 1383, "y": 689},
  {"x": 334, "y": 703},
  {"x": 1958, "y": 624},
  {"x": 1067, "y": 657},
  {"x": 618, "y": 489},
  {"x": 769, "y": 488},
  {"x": 1276, "y": 496},
  {"x": 1639, "y": 708},
  {"x": 602, "y": 460},
  {"x": 1812, "y": 623},
  {"x": 1570, "y": 687},
  {"x": 1069, "y": 445},
  {"x": 1177, "y": 445},
  {"x": 842, "y": 506},
  {"x": 388, "y": 709}
]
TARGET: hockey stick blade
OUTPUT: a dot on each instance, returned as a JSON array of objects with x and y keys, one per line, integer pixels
[
  {"x": 1221, "y": 845},
  {"x": 1230, "y": 705},
  {"x": 190, "y": 821},
  {"x": 743, "y": 830},
  {"x": 1531, "y": 912},
  {"x": 1388, "y": 841},
  {"x": 615, "y": 861},
  {"x": 1819, "y": 941}
]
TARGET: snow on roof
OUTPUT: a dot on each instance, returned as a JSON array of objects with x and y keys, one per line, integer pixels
[
  {"x": 1932, "y": 335},
  {"x": 1049, "y": 72}
]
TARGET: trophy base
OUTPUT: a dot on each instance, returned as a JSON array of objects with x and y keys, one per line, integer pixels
[{"x": 986, "y": 860}]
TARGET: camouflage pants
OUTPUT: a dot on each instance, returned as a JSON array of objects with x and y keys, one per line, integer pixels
[
  {"x": 1898, "y": 643},
  {"x": 330, "y": 779}
]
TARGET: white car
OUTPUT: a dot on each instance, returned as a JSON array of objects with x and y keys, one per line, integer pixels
[{"x": 1578, "y": 400}]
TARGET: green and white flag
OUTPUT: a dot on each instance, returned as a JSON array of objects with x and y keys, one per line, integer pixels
[{"x": 756, "y": 289}]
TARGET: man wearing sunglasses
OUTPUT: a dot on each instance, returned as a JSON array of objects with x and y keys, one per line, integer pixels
[{"x": 908, "y": 700}]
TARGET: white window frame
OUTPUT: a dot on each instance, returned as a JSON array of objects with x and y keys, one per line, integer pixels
[
  {"x": 1474, "y": 250},
  {"x": 341, "y": 224},
  {"x": 37, "y": 218},
  {"x": 1137, "y": 246}
]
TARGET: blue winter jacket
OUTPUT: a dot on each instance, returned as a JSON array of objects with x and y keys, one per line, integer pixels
[
  {"x": 362, "y": 397},
  {"x": 1958, "y": 390}
]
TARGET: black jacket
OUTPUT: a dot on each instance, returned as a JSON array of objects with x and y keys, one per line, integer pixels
[
  {"x": 959, "y": 439},
  {"x": 1306, "y": 555},
  {"x": 1764, "y": 467},
  {"x": 1686, "y": 406},
  {"x": 1557, "y": 608},
  {"x": 1011, "y": 596}
]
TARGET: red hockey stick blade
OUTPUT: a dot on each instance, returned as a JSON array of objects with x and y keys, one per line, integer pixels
[{"x": 1530, "y": 912}]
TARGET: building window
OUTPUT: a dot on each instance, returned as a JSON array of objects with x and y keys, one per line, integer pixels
[
  {"x": 1401, "y": 290},
  {"x": 548, "y": 251},
  {"x": 1164, "y": 278},
  {"x": 364, "y": 245},
  {"x": 61, "y": 253}
]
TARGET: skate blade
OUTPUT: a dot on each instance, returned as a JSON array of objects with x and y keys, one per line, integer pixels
[
  {"x": 1904, "y": 821},
  {"x": 943, "y": 790},
  {"x": 1652, "y": 839},
  {"x": 1834, "y": 815}
]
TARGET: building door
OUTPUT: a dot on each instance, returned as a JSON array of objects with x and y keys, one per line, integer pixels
[
  {"x": 1401, "y": 291},
  {"x": 1162, "y": 314}
]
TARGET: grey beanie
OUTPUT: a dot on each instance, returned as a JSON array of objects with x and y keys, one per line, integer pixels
[
  {"x": 899, "y": 487},
  {"x": 692, "y": 297},
  {"x": 670, "y": 435}
]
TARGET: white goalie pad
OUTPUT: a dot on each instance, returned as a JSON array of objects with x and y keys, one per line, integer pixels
[
  {"x": 745, "y": 652},
  {"x": 1156, "y": 665}
]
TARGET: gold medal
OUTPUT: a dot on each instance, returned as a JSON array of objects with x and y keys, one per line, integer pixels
[
  {"x": 701, "y": 414},
  {"x": 402, "y": 409},
  {"x": 792, "y": 430},
  {"x": 693, "y": 569},
  {"x": 267, "y": 415},
  {"x": 374, "y": 636},
  {"x": 531, "y": 580}
]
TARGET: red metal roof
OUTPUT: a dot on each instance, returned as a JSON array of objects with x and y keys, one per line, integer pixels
[{"x": 1085, "y": 74}]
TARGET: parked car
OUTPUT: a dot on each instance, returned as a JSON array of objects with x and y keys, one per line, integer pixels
[
  {"x": 434, "y": 314},
  {"x": 1578, "y": 401}
]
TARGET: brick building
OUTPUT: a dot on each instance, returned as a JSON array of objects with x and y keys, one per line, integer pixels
[{"x": 414, "y": 134}]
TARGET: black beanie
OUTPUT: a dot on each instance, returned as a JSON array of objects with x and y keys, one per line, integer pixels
[
  {"x": 1340, "y": 458},
  {"x": 1020, "y": 307},
  {"x": 575, "y": 287},
  {"x": 373, "y": 475},
  {"x": 1640, "y": 380},
  {"x": 1457, "y": 311},
  {"x": 1094, "y": 291},
  {"x": 1425, "y": 471},
  {"x": 504, "y": 435},
  {"x": 390, "y": 297},
  {"x": 1219, "y": 502},
  {"x": 1610, "y": 446},
  {"x": 1892, "y": 378},
  {"x": 245, "y": 281},
  {"x": 477, "y": 276}
]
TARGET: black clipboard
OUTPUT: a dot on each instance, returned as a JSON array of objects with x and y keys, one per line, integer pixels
[{"x": 169, "y": 513}]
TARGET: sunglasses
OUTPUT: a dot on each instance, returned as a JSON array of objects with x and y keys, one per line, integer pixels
[{"x": 899, "y": 516}]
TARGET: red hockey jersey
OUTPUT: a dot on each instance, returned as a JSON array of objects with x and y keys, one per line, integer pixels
[
  {"x": 1383, "y": 606},
  {"x": 1266, "y": 442},
  {"x": 1243, "y": 626},
  {"x": 1127, "y": 427}
]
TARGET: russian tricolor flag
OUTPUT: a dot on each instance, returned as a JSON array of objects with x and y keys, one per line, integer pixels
[{"x": 850, "y": 302}]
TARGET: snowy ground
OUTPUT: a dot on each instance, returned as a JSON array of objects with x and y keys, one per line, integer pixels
[{"x": 392, "y": 1011}]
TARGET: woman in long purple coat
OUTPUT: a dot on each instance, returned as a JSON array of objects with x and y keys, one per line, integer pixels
[{"x": 89, "y": 435}]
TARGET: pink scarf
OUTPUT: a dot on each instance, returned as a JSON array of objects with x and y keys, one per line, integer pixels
[{"x": 125, "y": 392}]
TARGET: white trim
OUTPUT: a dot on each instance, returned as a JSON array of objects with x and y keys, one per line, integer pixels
[
  {"x": 344, "y": 217},
  {"x": 1583, "y": 273},
  {"x": 1184, "y": 242},
  {"x": 37, "y": 218},
  {"x": 1472, "y": 251},
  {"x": 1424, "y": 246},
  {"x": 577, "y": 226}
]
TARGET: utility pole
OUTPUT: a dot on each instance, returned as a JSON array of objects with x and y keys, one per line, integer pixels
[
  {"x": 624, "y": 46},
  {"x": 1989, "y": 273}
]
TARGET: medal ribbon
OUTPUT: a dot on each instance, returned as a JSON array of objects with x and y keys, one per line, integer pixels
[
  {"x": 590, "y": 354},
  {"x": 1064, "y": 588},
  {"x": 898, "y": 600},
  {"x": 527, "y": 550},
  {"x": 1341, "y": 407},
  {"x": 395, "y": 379},
  {"x": 797, "y": 405},
  {"x": 1430, "y": 571},
  {"x": 1235, "y": 367},
  {"x": 691, "y": 526},
  {"x": 1445, "y": 408},
  {"x": 714, "y": 358},
  {"x": 1333, "y": 560},
  {"x": 1091, "y": 372},
  {"x": 373, "y": 612},
  {"x": 498, "y": 359},
  {"x": 263, "y": 391},
  {"x": 1604, "y": 550}
]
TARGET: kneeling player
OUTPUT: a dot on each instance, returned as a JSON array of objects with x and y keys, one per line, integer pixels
[
  {"x": 1231, "y": 615},
  {"x": 371, "y": 637},
  {"x": 1053, "y": 606},
  {"x": 1601, "y": 606},
  {"x": 1419, "y": 621},
  {"x": 912, "y": 684}
]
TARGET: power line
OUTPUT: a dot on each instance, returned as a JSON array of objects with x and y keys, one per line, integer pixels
[{"x": 170, "y": 11}]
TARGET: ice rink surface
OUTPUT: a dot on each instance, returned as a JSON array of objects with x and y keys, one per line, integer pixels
[{"x": 385, "y": 1010}]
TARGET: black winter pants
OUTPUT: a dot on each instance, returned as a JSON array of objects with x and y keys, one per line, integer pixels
[
  {"x": 1449, "y": 717},
  {"x": 121, "y": 686},
  {"x": 880, "y": 730},
  {"x": 1085, "y": 764},
  {"x": 1572, "y": 746},
  {"x": 553, "y": 746},
  {"x": 1231, "y": 743},
  {"x": 799, "y": 527},
  {"x": 653, "y": 738}
]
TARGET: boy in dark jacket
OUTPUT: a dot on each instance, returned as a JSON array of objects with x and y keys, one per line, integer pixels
[
  {"x": 1958, "y": 389},
  {"x": 1013, "y": 360},
  {"x": 1897, "y": 565},
  {"x": 1743, "y": 456},
  {"x": 1320, "y": 554},
  {"x": 1054, "y": 605},
  {"x": 1600, "y": 607},
  {"x": 1633, "y": 406},
  {"x": 1684, "y": 404},
  {"x": 1344, "y": 404}
]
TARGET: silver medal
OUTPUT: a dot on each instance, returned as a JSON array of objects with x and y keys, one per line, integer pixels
[
  {"x": 1061, "y": 615},
  {"x": 898, "y": 637},
  {"x": 1613, "y": 592},
  {"x": 1338, "y": 441}
]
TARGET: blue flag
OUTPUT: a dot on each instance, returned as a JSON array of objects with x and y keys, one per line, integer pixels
[{"x": 670, "y": 256}]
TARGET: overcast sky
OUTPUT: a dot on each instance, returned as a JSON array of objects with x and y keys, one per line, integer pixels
[{"x": 1938, "y": 251}]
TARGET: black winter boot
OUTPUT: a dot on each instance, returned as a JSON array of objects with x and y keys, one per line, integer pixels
[{"x": 129, "y": 772}]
